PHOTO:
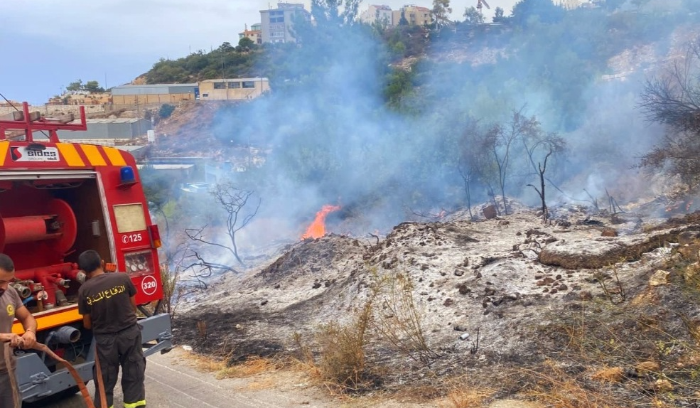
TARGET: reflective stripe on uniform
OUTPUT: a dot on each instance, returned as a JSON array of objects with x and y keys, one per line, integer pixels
[{"x": 136, "y": 404}]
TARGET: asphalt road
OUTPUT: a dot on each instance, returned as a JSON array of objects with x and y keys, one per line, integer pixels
[{"x": 172, "y": 382}]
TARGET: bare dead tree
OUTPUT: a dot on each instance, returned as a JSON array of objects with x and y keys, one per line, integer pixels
[
  {"x": 473, "y": 159},
  {"x": 175, "y": 251},
  {"x": 467, "y": 177},
  {"x": 234, "y": 202},
  {"x": 201, "y": 269},
  {"x": 673, "y": 99},
  {"x": 594, "y": 201},
  {"x": 614, "y": 206},
  {"x": 541, "y": 169},
  {"x": 536, "y": 144},
  {"x": 500, "y": 140}
]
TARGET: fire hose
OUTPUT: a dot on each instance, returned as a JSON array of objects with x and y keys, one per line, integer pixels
[{"x": 73, "y": 372}]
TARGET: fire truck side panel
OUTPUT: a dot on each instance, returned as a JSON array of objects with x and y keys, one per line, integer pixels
[{"x": 56, "y": 201}]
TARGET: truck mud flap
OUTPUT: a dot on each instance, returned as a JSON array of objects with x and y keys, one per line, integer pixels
[{"x": 156, "y": 334}]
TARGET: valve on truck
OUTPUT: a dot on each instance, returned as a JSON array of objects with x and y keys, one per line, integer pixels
[
  {"x": 23, "y": 290},
  {"x": 57, "y": 225}
]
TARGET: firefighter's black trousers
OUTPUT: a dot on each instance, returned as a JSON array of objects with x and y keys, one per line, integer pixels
[{"x": 122, "y": 349}]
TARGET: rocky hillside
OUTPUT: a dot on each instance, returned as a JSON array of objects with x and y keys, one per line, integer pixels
[{"x": 590, "y": 309}]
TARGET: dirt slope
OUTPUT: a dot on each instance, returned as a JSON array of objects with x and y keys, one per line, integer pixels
[{"x": 493, "y": 298}]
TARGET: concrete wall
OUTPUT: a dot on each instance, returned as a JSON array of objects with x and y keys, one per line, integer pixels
[
  {"x": 233, "y": 89},
  {"x": 151, "y": 99},
  {"x": 159, "y": 89},
  {"x": 118, "y": 129}
]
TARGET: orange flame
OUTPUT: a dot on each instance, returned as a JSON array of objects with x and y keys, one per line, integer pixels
[{"x": 317, "y": 229}]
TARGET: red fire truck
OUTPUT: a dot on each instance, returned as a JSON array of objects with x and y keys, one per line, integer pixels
[{"x": 57, "y": 200}]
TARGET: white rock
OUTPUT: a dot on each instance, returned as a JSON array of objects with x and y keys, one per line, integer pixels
[{"x": 659, "y": 278}]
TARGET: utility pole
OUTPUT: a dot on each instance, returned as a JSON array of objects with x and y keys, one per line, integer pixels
[{"x": 223, "y": 74}]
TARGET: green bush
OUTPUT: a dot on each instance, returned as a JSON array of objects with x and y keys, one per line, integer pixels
[{"x": 165, "y": 111}]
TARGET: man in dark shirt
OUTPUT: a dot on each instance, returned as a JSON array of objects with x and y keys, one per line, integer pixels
[
  {"x": 11, "y": 307},
  {"x": 108, "y": 305}
]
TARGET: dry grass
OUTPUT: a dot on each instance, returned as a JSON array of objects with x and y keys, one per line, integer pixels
[
  {"x": 389, "y": 315},
  {"x": 342, "y": 353},
  {"x": 206, "y": 363},
  {"x": 561, "y": 390},
  {"x": 249, "y": 368},
  {"x": 613, "y": 375},
  {"x": 397, "y": 319},
  {"x": 635, "y": 352},
  {"x": 466, "y": 398},
  {"x": 170, "y": 289}
]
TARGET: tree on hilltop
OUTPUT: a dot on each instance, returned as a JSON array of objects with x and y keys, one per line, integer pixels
[
  {"x": 93, "y": 87},
  {"x": 472, "y": 16},
  {"x": 343, "y": 12},
  {"x": 75, "y": 86},
  {"x": 525, "y": 12},
  {"x": 441, "y": 11},
  {"x": 499, "y": 15}
]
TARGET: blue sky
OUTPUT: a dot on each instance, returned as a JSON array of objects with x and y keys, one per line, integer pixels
[{"x": 46, "y": 44}]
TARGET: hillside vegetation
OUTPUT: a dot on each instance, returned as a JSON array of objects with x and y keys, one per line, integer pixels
[
  {"x": 421, "y": 117},
  {"x": 492, "y": 229},
  {"x": 541, "y": 45}
]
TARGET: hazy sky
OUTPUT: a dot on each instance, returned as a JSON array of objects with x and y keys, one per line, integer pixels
[{"x": 46, "y": 44}]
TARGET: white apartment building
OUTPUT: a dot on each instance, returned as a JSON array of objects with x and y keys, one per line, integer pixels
[
  {"x": 374, "y": 13},
  {"x": 276, "y": 24}
]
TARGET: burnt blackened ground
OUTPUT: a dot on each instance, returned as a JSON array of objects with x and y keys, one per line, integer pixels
[{"x": 490, "y": 310}]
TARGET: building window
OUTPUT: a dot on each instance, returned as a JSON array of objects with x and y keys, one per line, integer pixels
[
  {"x": 219, "y": 85},
  {"x": 234, "y": 85},
  {"x": 205, "y": 95},
  {"x": 248, "y": 84}
]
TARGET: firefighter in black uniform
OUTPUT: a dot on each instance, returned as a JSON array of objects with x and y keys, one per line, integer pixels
[{"x": 108, "y": 305}]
